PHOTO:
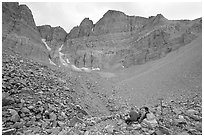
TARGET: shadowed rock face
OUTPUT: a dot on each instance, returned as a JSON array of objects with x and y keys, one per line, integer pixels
[
  {"x": 19, "y": 32},
  {"x": 54, "y": 36},
  {"x": 116, "y": 40},
  {"x": 116, "y": 21},
  {"x": 84, "y": 29}
]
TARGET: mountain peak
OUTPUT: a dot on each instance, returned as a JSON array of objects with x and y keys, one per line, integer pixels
[
  {"x": 113, "y": 13},
  {"x": 86, "y": 21},
  {"x": 160, "y": 16}
]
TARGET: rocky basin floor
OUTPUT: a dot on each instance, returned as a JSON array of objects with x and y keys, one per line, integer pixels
[{"x": 35, "y": 100}]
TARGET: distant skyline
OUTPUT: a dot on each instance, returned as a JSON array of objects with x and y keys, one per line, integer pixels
[{"x": 70, "y": 14}]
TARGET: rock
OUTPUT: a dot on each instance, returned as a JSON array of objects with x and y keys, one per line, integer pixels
[
  {"x": 29, "y": 123},
  {"x": 63, "y": 132},
  {"x": 136, "y": 126},
  {"x": 55, "y": 131},
  {"x": 161, "y": 130},
  {"x": 49, "y": 131},
  {"x": 8, "y": 131},
  {"x": 31, "y": 107},
  {"x": 183, "y": 133},
  {"x": 41, "y": 109},
  {"x": 192, "y": 112},
  {"x": 196, "y": 118},
  {"x": 39, "y": 103},
  {"x": 18, "y": 125},
  {"x": 119, "y": 122},
  {"x": 25, "y": 110},
  {"x": 198, "y": 126},
  {"x": 86, "y": 133},
  {"x": 60, "y": 123},
  {"x": 54, "y": 123},
  {"x": 74, "y": 120},
  {"x": 109, "y": 129},
  {"x": 60, "y": 117},
  {"x": 63, "y": 114},
  {"x": 26, "y": 118},
  {"x": 149, "y": 123},
  {"x": 15, "y": 117},
  {"x": 53, "y": 116},
  {"x": 80, "y": 115},
  {"x": 12, "y": 112},
  {"x": 45, "y": 124},
  {"x": 181, "y": 119},
  {"x": 177, "y": 111},
  {"x": 36, "y": 129},
  {"x": 38, "y": 116},
  {"x": 7, "y": 101}
]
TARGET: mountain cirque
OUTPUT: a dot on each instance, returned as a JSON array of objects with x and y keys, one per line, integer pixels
[
  {"x": 115, "y": 41},
  {"x": 40, "y": 98}
]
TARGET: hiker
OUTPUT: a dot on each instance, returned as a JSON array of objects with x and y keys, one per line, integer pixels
[
  {"x": 133, "y": 116},
  {"x": 147, "y": 118}
]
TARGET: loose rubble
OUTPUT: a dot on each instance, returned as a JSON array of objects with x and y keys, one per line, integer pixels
[{"x": 35, "y": 100}]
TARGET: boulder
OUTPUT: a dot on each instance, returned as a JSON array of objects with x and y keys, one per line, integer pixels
[
  {"x": 109, "y": 129},
  {"x": 192, "y": 112},
  {"x": 14, "y": 115},
  {"x": 75, "y": 120}
]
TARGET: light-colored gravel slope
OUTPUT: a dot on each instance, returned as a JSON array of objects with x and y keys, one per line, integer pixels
[{"x": 177, "y": 75}]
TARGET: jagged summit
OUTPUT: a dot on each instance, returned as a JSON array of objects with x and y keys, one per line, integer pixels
[
  {"x": 86, "y": 22},
  {"x": 113, "y": 13},
  {"x": 160, "y": 16}
]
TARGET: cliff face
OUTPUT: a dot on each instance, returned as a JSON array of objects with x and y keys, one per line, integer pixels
[
  {"x": 19, "y": 32},
  {"x": 116, "y": 21},
  {"x": 115, "y": 41},
  {"x": 118, "y": 40},
  {"x": 54, "y": 36},
  {"x": 111, "y": 22},
  {"x": 84, "y": 29}
]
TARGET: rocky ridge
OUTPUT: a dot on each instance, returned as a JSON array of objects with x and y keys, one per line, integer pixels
[
  {"x": 121, "y": 40},
  {"x": 19, "y": 31},
  {"x": 115, "y": 41}
]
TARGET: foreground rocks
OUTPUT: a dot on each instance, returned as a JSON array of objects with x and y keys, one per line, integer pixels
[
  {"x": 33, "y": 99},
  {"x": 36, "y": 100}
]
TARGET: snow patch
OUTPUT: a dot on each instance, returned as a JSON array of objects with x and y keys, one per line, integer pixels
[
  {"x": 86, "y": 69},
  {"x": 75, "y": 68},
  {"x": 60, "y": 48},
  {"x": 52, "y": 62},
  {"x": 95, "y": 68},
  {"x": 67, "y": 60},
  {"x": 48, "y": 48},
  {"x": 62, "y": 60}
]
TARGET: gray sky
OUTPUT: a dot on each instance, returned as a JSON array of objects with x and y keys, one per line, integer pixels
[{"x": 69, "y": 14}]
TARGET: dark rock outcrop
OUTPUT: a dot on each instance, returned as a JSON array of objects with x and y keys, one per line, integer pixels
[
  {"x": 19, "y": 32},
  {"x": 84, "y": 29},
  {"x": 111, "y": 22},
  {"x": 54, "y": 36}
]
